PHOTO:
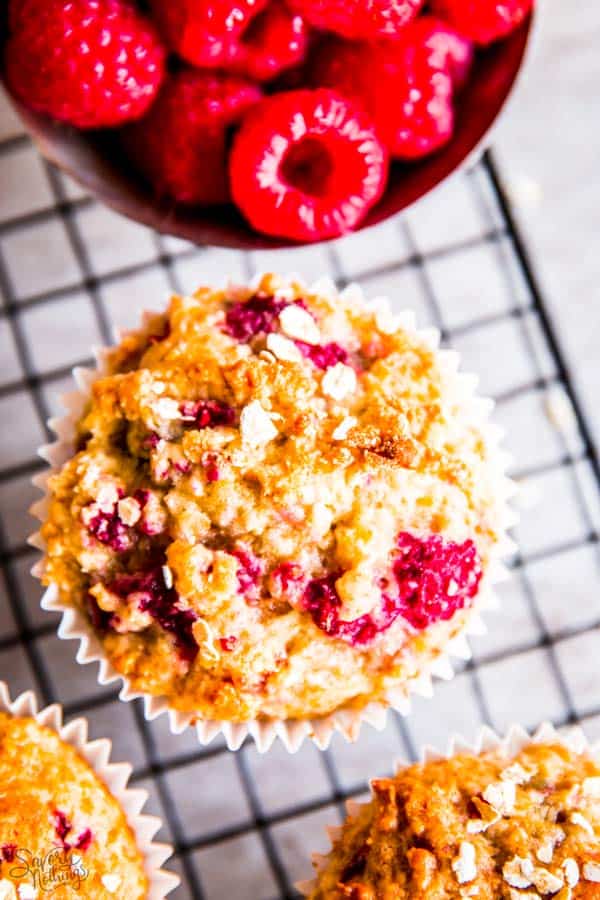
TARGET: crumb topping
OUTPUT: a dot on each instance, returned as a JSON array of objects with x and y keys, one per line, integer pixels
[
  {"x": 413, "y": 839},
  {"x": 276, "y": 507}
]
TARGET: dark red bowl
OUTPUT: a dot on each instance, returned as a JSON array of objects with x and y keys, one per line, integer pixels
[{"x": 96, "y": 161}]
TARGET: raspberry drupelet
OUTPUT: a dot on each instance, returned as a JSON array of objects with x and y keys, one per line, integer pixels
[{"x": 286, "y": 504}]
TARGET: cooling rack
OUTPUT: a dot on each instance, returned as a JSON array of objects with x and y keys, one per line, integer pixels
[{"x": 243, "y": 825}]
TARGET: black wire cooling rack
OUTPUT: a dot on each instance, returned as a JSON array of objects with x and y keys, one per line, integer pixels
[{"x": 244, "y": 825}]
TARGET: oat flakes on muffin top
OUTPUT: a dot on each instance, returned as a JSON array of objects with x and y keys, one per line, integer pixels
[
  {"x": 486, "y": 826},
  {"x": 281, "y": 502}
]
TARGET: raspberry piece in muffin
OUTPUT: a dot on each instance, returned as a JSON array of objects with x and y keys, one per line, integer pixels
[
  {"x": 498, "y": 825},
  {"x": 429, "y": 580},
  {"x": 313, "y": 505}
]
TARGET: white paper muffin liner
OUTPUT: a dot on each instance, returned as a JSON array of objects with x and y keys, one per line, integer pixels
[
  {"x": 114, "y": 775},
  {"x": 347, "y": 722},
  {"x": 515, "y": 740}
]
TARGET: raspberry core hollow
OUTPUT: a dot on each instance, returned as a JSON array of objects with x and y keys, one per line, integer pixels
[{"x": 283, "y": 502}]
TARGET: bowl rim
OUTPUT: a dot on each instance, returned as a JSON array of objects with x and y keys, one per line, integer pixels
[{"x": 178, "y": 221}]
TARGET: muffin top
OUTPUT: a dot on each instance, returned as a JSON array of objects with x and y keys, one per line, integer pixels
[
  {"x": 61, "y": 830},
  {"x": 488, "y": 826},
  {"x": 281, "y": 502}
]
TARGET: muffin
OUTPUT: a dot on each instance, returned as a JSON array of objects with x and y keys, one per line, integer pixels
[
  {"x": 519, "y": 826},
  {"x": 62, "y": 830},
  {"x": 280, "y": 503}
]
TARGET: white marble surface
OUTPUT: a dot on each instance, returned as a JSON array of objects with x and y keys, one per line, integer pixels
[{"x": 549, "y": 148}]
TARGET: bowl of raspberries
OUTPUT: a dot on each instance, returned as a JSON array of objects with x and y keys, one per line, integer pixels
[{"x": 261, "y": 123}]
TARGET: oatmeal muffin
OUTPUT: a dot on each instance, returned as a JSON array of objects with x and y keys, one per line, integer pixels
[
  {"x": 489, "y": 826},
  {"x": 281, "y": 502},
  {"x": 61, "y": 830}
]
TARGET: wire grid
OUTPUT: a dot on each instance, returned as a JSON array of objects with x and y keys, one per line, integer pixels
[{"x": 243, "y": 825}]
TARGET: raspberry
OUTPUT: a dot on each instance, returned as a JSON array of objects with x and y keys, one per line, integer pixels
[
  {"x": 180, "y": 145},
  {"x": 228, "y": 643},
  {"x": 483, "y": 21},
  {"x": 208, "y": 413},
  {"x": 446, "y": 48},
  {"x": 408, "y": 98},
  {"x": 63, "y": 827},
  {"x": 249, "y": 572},
  {"x": 8, "y": 852},
  {"x": 244, "y": 320},
  {"x": 307, "y": 165},
  {"x": 360, "y": 19},
  {"x": 433, "y": 578},
  {"x": 323, "y": 355},
  {"x": 84, "y": 840},
  {"x": 204, "y": 32},
  {"x": 430, "y": 580},
  {"x": 153, "y": 596},
  {"x": 110, "y": 530},
  {"x": 275, "y": 40},
  {"x": 93, "y": 63}
]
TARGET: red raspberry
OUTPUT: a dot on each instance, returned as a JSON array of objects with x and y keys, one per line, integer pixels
[
  {"x": 63, "y": 828},
  {"x": 93, "y": 63},
  {"x": 323, "y": 355},
  {"x": 307, "y": 165},
  {"x": 446, "y": 48},
  {"x": 483, "y": 21},
  {"x": 181, "y": 144},
  {"x": 250, "y": 571},
  {"x": 207, "y": 413},
  {"x": 258, "y": 314},
  {"x": 359, "y": 19},
  {"x": 408, "y": 99},
  {"x": 275, "y": 40},
  {"x": 147, "y": 589},
  {"x": 431, "y": 579},
  {"x": 8, "y": 852},
  {"x": 204, "y": 31}
]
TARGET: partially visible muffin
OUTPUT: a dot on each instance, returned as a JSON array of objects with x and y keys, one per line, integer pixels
[
  {"x": 61, "y": 830},
  {"x": 489, "y": 826},
  {"x": 281, "y": 502}
]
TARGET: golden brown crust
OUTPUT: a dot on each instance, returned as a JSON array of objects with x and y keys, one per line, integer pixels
[
  {"x": 488, "y": 826},
  {"x": 41, "y": 779},
  {"x": 316, "y": 468}
]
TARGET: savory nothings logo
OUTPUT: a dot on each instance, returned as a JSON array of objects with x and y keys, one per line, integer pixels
[{"x": 46, "y": 873}]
